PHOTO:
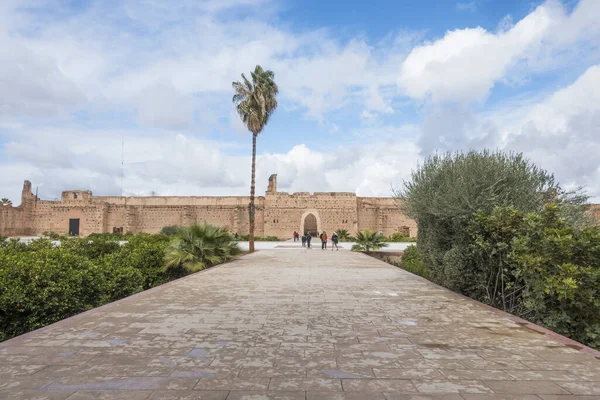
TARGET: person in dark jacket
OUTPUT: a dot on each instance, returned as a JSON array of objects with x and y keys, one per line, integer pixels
[{"x": 334, "y": 241}]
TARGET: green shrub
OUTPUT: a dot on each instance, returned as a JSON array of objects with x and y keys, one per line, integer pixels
[
  {"x": 367, "y": 241},
  {"x": 245, "y": 238},
  {"x": 542, "y": 268},
  {"x": 12, "y": 245},
  {"x": 118, "y": 279},
  {"x": 41, "y": 283},
  {"x": 446, "y": 191},
  {"x": 200, "y": 246},
  {"x": 267, "y": 239},
  {"x": 496, "y": 228},
  {"x": 92, "y": 247},
  {"x": 169, "y": 230},
  {"x": 412, "y": 262},
  {"x": 50, "y": 235},
  {"x": 115, "y": 237},
  {"x": 400, "y": 237},
  {"x": 41, "y": 287},
  {"x": 146, "y": 253}
]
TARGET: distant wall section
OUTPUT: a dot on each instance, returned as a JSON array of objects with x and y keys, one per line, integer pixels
[{"x": 277, "y": 213}]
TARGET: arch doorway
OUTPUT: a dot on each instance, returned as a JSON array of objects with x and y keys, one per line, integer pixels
[{"x": 310, "y": 224}]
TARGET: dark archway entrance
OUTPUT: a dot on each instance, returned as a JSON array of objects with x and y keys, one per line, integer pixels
[{"x": 310, "y": 224}]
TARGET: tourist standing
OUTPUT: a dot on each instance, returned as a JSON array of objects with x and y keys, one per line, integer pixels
[
  {"x": 308, "y": 237},
  {"x": 324, "y": 241},
  {"x": 295, "y": 236},
  {"x": 304, "y": 240},
  {"x": 334, "y": 241}
]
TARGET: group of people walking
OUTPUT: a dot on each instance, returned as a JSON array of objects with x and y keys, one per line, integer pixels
[{"x": 307, "y": 237}]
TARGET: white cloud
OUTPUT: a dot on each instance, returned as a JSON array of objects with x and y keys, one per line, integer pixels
[
  {"x": 161, "y": 105},
  {"x": 559, "y": 132},
  {"x": 466, "y": 63},
  {"x": 467, "y": 5}
]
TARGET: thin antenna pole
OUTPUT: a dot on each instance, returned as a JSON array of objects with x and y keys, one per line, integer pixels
[{"x": 122, "y": 163}]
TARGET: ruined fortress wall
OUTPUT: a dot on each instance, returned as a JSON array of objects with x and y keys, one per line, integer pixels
[
  {"x": 382, "y": 214},
  {"x": 11, "y": 221},
  {"x": 277, "y": 214},
  {"x": 285, "y": 213}
]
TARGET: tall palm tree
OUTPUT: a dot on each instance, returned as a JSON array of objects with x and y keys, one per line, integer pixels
[{"x": 255, "y": 101}]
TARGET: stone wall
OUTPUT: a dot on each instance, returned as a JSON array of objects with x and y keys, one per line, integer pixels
[{"x": 277, "y": 214}]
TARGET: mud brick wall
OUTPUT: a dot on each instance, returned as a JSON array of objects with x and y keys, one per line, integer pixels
[
  {"x": 277, "y": 214},
  {"x": 383, "y": 214},
  {"x": 285, "y": 213},
  {"x": 11, "y": 221}
]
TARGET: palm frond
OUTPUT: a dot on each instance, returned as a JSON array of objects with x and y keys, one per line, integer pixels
[{"x": 199, "y": 246}]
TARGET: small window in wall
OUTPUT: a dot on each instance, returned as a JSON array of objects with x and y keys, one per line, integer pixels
[{"x": 74, "y": 195}]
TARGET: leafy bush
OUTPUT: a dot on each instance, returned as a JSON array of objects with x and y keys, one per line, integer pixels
[
  {"x": 412, "y": 262},
  {"x": 496, "y": 228},
  {"x": 400, "y": 237},
  {"x": 367, "y": 241},
  {"x": 169, "y": 230},
  {"x": 541, "y": 268},
  {"x": 41, "y": 287},
  {"x": 50, "y": 235},
  {"x": 92, "y": 247},
  {"x": 146, "y": 253},
  {"x": 447, "y": 190},
  {"x": 245, "y": 238},
  {"x": 41, "y": 283},
  {"x": 199, "y": 246}
]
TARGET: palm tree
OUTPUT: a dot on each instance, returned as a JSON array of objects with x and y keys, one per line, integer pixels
[
  {"x": 197, "y": 247},
  {"x": 255, "y": 102},
  {"x": 6, "y": 202},
  {"x": 367, "y": 241}
]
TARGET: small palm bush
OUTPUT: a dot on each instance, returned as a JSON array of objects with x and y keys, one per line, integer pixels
[
  {"x": 197, "y": 247},
  {"x": 343, "y": 235},
  {"x": 367, "y": 241}
]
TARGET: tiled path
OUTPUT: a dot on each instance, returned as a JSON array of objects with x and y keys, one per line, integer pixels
[{"x": 293, "y": 324}]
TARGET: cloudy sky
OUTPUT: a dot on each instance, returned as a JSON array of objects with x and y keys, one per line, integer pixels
[{"x": 367, "y": 89}]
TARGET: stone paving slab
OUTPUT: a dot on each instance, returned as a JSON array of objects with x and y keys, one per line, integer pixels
[{"x": 293, "y": 325}]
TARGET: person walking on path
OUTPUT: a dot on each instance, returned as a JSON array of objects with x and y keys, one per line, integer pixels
[
  {"x": 295, "y": 236},
  {"x": 308, "y": 237},
  {"x": 304, "y": 240},
  {"x": 334, "y": 241},
  {"x": 324, "y": 241}
]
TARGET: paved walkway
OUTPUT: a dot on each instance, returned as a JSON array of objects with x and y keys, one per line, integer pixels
[{"x": 294, "y": 325}]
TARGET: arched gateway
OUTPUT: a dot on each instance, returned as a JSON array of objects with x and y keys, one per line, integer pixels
[{"x": 310, "y": 222}]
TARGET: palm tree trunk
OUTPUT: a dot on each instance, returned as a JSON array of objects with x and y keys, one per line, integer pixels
[{"x": 252, "y": 188}]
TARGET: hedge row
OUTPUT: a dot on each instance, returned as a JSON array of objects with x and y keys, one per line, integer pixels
[{"x": 41, "y": 283}]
